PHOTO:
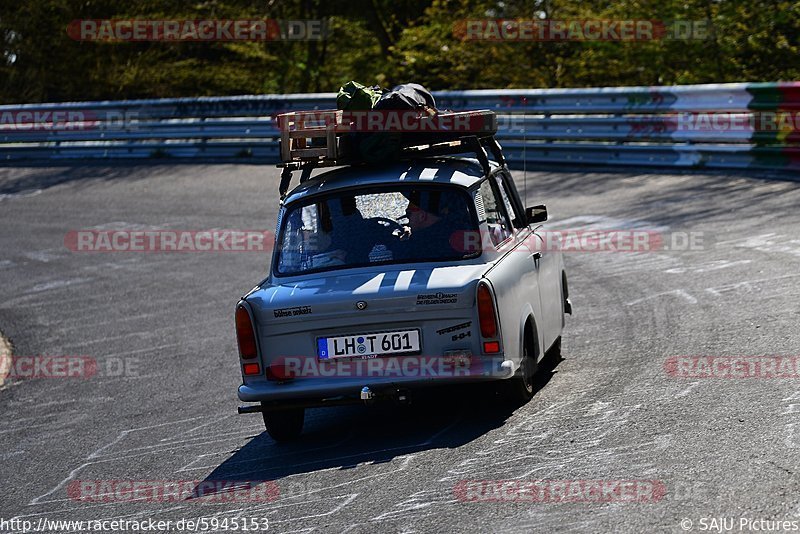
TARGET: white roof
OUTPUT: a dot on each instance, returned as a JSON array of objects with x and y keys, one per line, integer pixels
[{"x": 456, "y": 171}]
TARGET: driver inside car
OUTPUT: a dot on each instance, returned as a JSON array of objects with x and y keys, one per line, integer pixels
[{"x": 430, "y": 228}]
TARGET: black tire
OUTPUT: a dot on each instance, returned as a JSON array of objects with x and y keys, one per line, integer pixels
[
  {"x": 520, "y": 387},
  {"x": 284, "y": 425}
]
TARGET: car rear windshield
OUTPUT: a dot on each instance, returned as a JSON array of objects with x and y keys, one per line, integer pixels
[{"x": 401, "y": 224}]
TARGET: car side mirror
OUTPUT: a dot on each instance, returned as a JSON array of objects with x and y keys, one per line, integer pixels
[{"x": 536, "y": 214}]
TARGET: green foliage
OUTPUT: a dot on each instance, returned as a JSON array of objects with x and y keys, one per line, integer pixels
[{"x": 385, "y": 42}]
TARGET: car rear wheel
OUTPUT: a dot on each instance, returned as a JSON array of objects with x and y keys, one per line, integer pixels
[
  {"x": 520, "y": 386},
  {"x": 284, "y": 425}
]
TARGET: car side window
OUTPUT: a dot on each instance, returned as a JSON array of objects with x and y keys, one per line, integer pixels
[
  {"x": 496, "y": 220},
  {"x": 501, "y": 188}
]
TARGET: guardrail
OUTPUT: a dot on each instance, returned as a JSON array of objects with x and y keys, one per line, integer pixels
[{"x": 717, "y": 126}]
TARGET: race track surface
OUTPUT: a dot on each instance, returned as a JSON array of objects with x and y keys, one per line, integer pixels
[{"x": 162, "y": 406}]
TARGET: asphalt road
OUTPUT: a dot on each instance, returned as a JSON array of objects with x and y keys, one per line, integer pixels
[{"x": 609, "y": 410}]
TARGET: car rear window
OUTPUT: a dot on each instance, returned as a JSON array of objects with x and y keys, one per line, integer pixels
[{"x": 403, "y": 224}]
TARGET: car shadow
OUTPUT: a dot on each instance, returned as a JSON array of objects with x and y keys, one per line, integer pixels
[{"x": 348, "y": 436}]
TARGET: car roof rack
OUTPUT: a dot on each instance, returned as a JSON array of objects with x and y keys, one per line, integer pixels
[{"x": 330, "y": 138}]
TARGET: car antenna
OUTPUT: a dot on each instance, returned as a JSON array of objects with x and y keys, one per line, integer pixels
[{"x": 524, "y": 146}]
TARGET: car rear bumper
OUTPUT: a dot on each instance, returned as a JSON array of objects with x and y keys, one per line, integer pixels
[{"x": 351, "y": 386}]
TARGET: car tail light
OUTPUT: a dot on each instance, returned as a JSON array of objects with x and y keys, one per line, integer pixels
[
  {"x": 486, "y": 314},
  {"x": 491, "y": 347},
  {"x": 252, "y": 369},
  {"x": 245, "y": 334}
]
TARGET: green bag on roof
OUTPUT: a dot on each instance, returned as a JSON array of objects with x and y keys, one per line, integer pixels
[{"x": 356, "y": 97}]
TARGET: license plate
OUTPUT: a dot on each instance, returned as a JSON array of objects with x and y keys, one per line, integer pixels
[{"x": 368, "y": 344}]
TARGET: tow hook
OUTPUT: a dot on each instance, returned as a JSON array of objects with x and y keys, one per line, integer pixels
[
  {"x": 367, "y": 395},
  {"x": 398, "y": 396}
]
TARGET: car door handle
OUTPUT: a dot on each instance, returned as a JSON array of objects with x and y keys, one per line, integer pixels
[{"x": 536, "y": 257}]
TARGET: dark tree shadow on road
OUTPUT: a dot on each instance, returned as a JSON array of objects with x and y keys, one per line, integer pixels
[{"x": 41, "y": 177}]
